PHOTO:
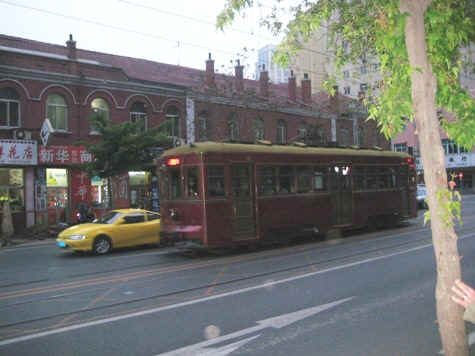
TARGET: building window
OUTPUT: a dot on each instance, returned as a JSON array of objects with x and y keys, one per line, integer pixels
[
  {"x": 400, "y": 147},
  {"x": 9, "y": 107},
  {"x": 259, "y": 129},
  {"x": 99, "y": 107},
  {"x": 302, "y": 132},
  {"x": 363, "y": 87},
  {"x": 57, "y": 112},
  {"x": 346, "y": 74},
  {"x": 451, "y": 147},
  {"x": 281, "y": 132},
  {"x": 172, "y": 123},
  {"x": 363, "y": 70},
  {"x": 138, "y": 115},
  {"x": 233, "y": 128},
  {"x": 204, "y": 133},
  {"x": 347, "y": 90}
]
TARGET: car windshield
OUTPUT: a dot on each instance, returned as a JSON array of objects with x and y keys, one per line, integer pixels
[{"x": 109, "y": 218}]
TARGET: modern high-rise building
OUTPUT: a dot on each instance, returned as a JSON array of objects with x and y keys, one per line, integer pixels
[{"x": 277, "y": 74}]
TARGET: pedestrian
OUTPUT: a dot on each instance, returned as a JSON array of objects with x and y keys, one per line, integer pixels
[{"x": 464, "y": 295}]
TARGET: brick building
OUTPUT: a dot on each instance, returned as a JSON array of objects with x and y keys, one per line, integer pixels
[{"x": 65, "y": 85}]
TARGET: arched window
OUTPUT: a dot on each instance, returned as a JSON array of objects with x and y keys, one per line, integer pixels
[
  {"x": 204, "y": 128},
  {"x": 57, "y": 112},
  {"x": 173, "y": 121},
  {"x": 302, "y": 131},
  {"x": 138, "y": 115},
  {"x": 9, "y": 107},
  {"x": 259, "y": 129},
  {"x": 100, "y": 107},
  {"x": 281, "y": 132},
  {"x": 233, "y": 128}
]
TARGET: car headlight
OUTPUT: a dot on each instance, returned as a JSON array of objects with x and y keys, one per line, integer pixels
[{"x": 76, "y": 237}]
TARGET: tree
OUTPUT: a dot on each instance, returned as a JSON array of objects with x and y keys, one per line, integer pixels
[
  {"x": 123, "y": 147},
  {"x": 7, "y": 223},
  {"x": 418, "y": 44}
]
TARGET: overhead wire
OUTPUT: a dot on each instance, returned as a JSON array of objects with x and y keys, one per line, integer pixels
[{"x": 150, "y": 35}]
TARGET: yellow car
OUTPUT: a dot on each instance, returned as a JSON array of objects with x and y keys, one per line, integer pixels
[{"x": 117, "y": 228}]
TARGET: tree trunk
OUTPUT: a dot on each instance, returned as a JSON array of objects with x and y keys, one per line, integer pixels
[
  {"x": 424, "y": 88},
  {"x": 7, "y": 222}
]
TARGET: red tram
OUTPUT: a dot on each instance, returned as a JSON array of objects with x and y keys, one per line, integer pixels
[{"x": 224, "y": 194}]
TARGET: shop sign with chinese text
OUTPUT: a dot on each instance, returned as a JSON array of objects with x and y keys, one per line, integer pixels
[
  {"x": 18, "y": 152},
  {"x": 63, "y": 155}
]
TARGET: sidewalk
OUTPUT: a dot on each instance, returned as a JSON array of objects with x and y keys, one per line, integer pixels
[{"x": 26, "y": 238}]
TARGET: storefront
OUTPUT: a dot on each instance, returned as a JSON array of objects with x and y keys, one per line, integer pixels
[
  {"x": 61, "y": 186},
  {"x": 144, "y": 190},
  {"x": 17, "y": 161}
]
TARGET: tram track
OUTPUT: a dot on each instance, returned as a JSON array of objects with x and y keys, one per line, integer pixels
[
  {"x": 183, "y": 292},
  {"x": 224, "y": 283},
  {"x": 167, "y": 267}
]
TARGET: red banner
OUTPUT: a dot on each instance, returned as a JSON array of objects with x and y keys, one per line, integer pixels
[
  {"x": 80, "y": 190},
  {"x": 63, "y": 155}
]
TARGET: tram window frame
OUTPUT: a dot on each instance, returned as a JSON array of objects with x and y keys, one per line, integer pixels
[
  {"x": 240, "y": 174},
  {"x": 192, "y": 190},
  {"x": 164, "y": 184},
  {"x": 304, "y": 176},
  {"x": 323, "y": 185},
  {"x": 359, "y": 178},
  {"x": 175, "y": 174},
  {"x": 286, "y": 180},
  {"x": 267, "y": 180},
  {"x": 214, "y": 177}
]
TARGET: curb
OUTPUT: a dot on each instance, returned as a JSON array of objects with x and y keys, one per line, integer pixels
[{"x": 27, "y": 243}]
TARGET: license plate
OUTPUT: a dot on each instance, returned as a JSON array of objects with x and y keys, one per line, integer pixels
[{"x": 61, "y": 243}]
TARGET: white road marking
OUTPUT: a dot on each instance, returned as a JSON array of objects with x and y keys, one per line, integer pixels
[
  {"x": 227, "y": 349},
  {"x": 213, "y": 297},
  {"x": 277, "y": 322}
]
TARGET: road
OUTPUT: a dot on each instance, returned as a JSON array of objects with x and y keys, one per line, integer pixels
[{"x": 366, "y": 294}]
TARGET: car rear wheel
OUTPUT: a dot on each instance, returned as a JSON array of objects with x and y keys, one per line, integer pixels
[{"x": 102, "y": 245}]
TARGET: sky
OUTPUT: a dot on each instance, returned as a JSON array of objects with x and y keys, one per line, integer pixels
[{"x": 180, "y": 32}]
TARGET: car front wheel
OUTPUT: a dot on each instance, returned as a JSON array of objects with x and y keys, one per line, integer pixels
[{"x": 102, "y": 245}]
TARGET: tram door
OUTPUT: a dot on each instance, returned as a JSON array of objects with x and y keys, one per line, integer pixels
[
  {"x": 243, "y": 217},
  {"x": 341, "y": 195}
]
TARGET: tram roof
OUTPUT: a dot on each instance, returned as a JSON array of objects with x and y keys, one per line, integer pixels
[{"x": 224, "y": 147}]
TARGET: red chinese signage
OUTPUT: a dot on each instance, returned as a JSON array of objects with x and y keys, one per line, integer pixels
[{"x": 63, "y": 155}]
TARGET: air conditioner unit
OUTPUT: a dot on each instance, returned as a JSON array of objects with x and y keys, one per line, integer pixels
[{"x": 21, "y": 134}]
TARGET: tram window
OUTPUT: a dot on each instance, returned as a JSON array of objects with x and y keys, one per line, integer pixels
[
  {"x": 215, "y": 181},
  {"x": 393, "y": 180},
  {"x": 267, "y": 180},
  {"x": 358, "y": 178},
  {"x": 240, "y": 182},
  {"x": 175, "y": 184},
  {"x": 164, "y": 184},
  {"x": 372, "y": 178},
  {"x": 304, "y": 179},
  {"x": 192, "y": 187},
  {"x": 286, "y": 180},
  {"x": 319, "y": 179}
]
